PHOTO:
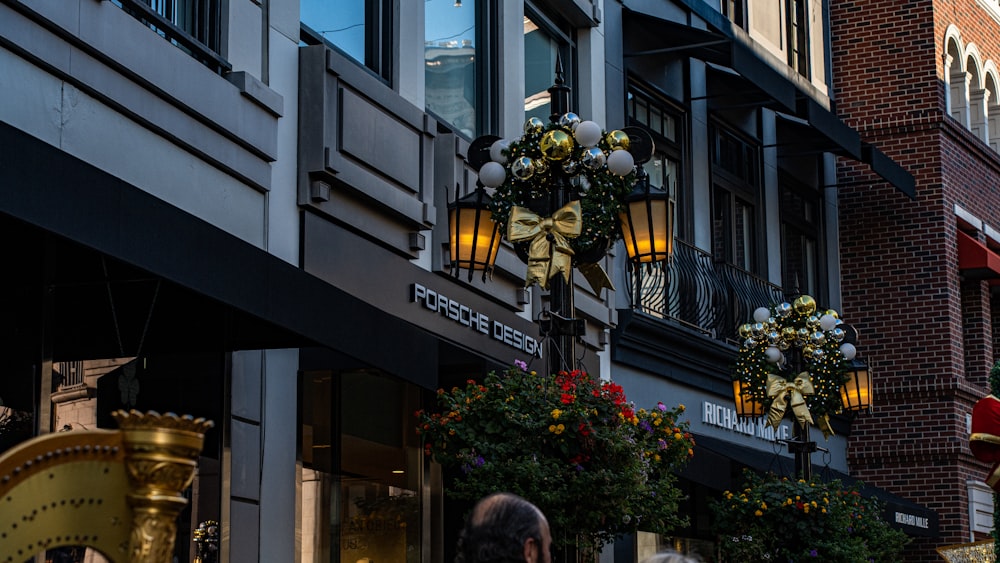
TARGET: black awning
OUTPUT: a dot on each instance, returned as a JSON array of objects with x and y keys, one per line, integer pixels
[
  {"x": 721, "y": 463},
  {"x": 889, "y": 170},
  {"x": 739, "y": 76},
  {"x": 128, "y": 270}
]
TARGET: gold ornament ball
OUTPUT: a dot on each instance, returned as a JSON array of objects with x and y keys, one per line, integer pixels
[
  {"x": 804, "y": 305},
  {"x": 808, "y": 350},
  {"x": 533, "y": 126},
  {"x": 556, "y": 145},
  {"x": 788, "y": 334},
  {"x": 744, "y": 331},
  {"x": 618, "y": 140},
  {"x": 832, "y": 313}
]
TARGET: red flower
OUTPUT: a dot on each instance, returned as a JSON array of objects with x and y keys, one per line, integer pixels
[{"x": 567, "y": 398}]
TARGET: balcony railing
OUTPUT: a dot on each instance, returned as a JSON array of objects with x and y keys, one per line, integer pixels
[
  {"x": 195, "y": 26},
  {"x": 697, "y": 292}
]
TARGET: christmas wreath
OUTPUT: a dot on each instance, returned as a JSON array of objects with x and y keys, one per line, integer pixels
[
  {"x": 784, "y": 339},
  {"x": 597, "y": 165}
]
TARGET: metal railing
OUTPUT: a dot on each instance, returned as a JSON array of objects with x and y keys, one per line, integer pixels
[
  {"x": 696, "y": 291},
  {"x": 71, "y": 372},
  {"x": 194, "y": 26}
]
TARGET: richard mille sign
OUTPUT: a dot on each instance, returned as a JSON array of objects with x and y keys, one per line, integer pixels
[
  {"x": 724, "y": 417},
  {"x": 476, "y": 321}
]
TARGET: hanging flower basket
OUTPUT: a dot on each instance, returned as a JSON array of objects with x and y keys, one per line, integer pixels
[
  {"x": 596, "y": 465},
  {"x": 783, "y": 520}
]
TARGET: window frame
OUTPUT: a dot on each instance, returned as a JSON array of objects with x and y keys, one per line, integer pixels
[
  {"x": 676, "y": 151},
  {"x": 797, "y": 36},
  {"x": 379, "y": 42},
  {"x": 792, "y": 219},
  {"x": 565, "y": 37},
  {"x": 737, "y": 187}
]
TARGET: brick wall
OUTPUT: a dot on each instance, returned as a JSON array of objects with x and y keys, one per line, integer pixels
[{"x": 928, "y": 331}]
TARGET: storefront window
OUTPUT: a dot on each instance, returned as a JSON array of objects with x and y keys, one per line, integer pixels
[
  {"x": 361, "y": 468},
  {"x": 451, "y": 62}
]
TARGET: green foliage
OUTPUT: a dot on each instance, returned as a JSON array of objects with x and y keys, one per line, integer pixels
[
  {"x": 784, "y": 520},
  {"x": 593, "y": 463}
]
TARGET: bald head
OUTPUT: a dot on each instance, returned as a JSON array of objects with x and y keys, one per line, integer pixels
[{"x": 504, "y": 528}]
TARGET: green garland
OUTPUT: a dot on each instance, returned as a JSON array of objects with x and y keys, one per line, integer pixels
[
  {"x": 601, "y": 193},
  {"x": 795, "y": 326}
]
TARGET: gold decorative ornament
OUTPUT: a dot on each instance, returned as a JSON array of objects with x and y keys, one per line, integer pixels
[
  {"x": 556, "y": 145},
  {"x": 618, "y": 140},
  {"x": 804, "y": 305},
  {"x": 161, "y": 453},
  {"x": 117, "y": 492},
  {"x": 549, "y": 252}
]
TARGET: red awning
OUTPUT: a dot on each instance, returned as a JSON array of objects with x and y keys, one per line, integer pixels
[{"x": 975, "y": 260}]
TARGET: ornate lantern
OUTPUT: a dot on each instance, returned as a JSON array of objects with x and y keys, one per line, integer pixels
[
  {"x": 745, "y": 405},
  {"x": 857, "y": 391},
  {"x": 648, "y": 223},
  {"x": 473, "y": 237}
]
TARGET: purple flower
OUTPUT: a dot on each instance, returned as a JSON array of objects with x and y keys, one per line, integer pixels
[
  {"x": 662, "y": 407},
  {"x": 479, "y": 461},
  {"x": 813, "y": 553},
  {"x": 521, "y": 364},
  {"x": 646, "y": 426}
]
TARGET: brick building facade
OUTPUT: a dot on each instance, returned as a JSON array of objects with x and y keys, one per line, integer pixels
[{"x": 920, "y": 80}]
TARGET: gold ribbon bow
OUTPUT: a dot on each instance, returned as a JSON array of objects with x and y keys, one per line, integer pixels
[
  {"x": 596, "y": 277},
  {"x": 549, "y": 252},
  {"x": 778, "y": 388}
]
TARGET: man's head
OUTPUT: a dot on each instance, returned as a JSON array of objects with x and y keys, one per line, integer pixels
[{"x": 505, "y": 528}]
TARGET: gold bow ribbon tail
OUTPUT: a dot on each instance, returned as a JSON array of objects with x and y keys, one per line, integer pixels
[
  {"x": 823, "y": 422},
  {"x": 549, "y": 252},
  {"x": 596, "y": 277},
  {"x": 778, "y": 388}
]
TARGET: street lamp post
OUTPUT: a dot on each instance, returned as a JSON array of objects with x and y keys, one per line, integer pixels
[
  {"x": 562, "y": 194},
  {"x": 799, "y": 360}
]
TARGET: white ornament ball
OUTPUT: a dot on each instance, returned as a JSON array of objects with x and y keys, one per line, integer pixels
[
  {"x": 588, "y": 133},
  {"x": 492, "y": 174},
  {"x": 827, "y": 322},
  {"x": 761, "y": 314},
  {"x": 621, "y": 162},
  {"x": 496, "y": 150},
  {"x": 772, "y": 354},
  {"x": 848, "y": 350}
]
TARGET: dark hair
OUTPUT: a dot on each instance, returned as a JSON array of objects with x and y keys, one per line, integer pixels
[{"x": 497, "y": 529}]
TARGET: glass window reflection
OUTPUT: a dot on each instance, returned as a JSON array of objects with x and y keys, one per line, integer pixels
[
  {"x": 450, "y": 58},
  {"x": 341, "y": 22}
]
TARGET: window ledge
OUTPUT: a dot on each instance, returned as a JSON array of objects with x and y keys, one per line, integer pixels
[{"x": 258, "y": 92}]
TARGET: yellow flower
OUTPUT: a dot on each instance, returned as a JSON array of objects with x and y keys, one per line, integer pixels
[
  {"x": 678, "y": 436},
  {"x": 656, "y": 457},
  {"x": 556, "y": 413},
  {"x": 805, "y": 508},
  {"x": 657, "y": 422},
  {"x": 758, "y": 513},
  {"x": 763, "y": 505},
  {"x": 813, "y": 503}
]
